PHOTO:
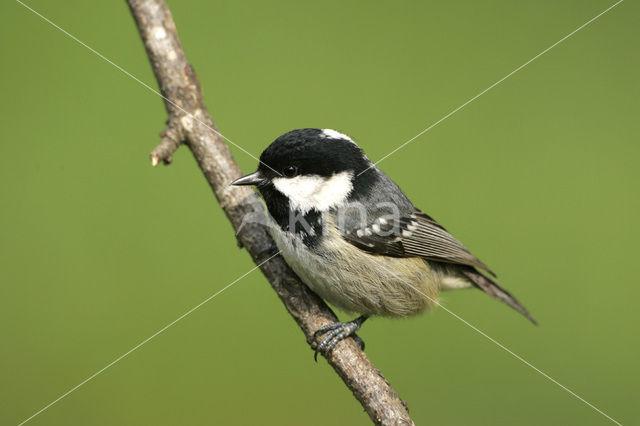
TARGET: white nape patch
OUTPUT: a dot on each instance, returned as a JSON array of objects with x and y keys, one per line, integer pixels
[
  {"x": 334, "y": 134},
  {"x": 315, "y": 192}
]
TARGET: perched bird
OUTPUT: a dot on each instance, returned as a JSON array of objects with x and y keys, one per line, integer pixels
[{"x": 354, "y": 237}]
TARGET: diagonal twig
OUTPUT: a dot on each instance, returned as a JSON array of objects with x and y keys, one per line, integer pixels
[{"x": 189, "y": 123}]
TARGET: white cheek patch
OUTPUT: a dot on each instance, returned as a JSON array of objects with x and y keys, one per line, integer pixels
[
  {"x": 314, "y": 192},
  {"x": 334, "y": 134}
]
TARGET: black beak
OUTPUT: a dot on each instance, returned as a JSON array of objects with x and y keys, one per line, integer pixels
[{"x": 254, "y": 178}]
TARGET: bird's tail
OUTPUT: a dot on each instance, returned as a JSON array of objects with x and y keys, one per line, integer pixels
[{"x": 494, "y": 290}]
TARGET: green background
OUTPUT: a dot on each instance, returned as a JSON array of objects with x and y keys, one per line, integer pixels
[{"x": 539, "y": 177}]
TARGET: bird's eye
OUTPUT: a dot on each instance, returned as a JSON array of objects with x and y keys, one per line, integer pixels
[{"x": 290, "y": 171}]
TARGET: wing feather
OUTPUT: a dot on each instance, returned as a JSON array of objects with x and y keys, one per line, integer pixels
[{"x": 415, "y": 235}]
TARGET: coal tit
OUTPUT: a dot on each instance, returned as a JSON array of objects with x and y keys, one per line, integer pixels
[{"x": 354, "y": 237}]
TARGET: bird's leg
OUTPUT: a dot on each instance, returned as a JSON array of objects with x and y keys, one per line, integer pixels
[{"x": 338, "y": 331}]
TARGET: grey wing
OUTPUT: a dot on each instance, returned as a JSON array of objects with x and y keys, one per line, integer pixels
[{"x": 415, "y": 235}]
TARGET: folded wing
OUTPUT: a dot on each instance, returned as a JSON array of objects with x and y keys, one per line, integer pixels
[{"x": 415, "y": 235}]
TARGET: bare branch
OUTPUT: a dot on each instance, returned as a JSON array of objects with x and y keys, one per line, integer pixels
[{"x": 191, "y": 124}]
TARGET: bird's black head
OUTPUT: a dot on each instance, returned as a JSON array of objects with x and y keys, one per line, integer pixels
[
  {"x": 317, "y": 152},
  {"x": 308, "y": 171},
  {"x": 308, "y": 156}
]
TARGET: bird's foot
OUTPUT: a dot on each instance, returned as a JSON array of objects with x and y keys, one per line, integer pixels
[{"x": 338, "y": 331}]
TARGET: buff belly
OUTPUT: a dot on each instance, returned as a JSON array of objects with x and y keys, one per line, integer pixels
[{"x": 359, "y": 282}]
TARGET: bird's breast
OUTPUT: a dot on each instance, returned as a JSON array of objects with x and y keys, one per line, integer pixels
[{"x": 357, "y": 281}]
